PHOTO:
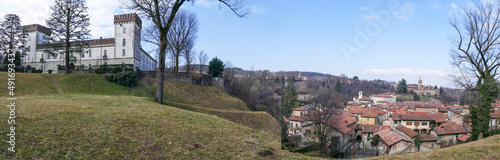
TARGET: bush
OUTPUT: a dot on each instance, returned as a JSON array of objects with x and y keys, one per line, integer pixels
[
  {"x": 50, "y": 71},
  {"x": 127, "y": 78},
  {"x": 101, "y": 70},
  {"x": 116, "y": 70},
  {"x": 289, "y": 145},
  {"x": 308, "y": 148},
  {"x": 215, "y": 67}
]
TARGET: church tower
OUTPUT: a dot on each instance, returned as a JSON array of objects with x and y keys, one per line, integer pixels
[{"x": 419, "y": 82}]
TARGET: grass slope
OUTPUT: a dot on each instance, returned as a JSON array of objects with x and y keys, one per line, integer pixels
[
  {"x": 488, "y": 148},
  {"x": 128, "y": 127}
]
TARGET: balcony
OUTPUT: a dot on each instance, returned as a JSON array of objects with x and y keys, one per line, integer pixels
[
  {"x": 42, "y": 60},
  {"x": 72, "y": 58},
  {"x": 105, "y": 57}
]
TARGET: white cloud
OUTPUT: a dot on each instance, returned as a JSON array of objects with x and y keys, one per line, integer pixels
[
  {"x": 405, "y": 11},
  {"x": 30, "y": 11},
  {"x": 206, "y": 3},
  {"x": 256, "y": 9},
  {"x": 363, "y": 8},
  {"x": 37, "y": 11}
]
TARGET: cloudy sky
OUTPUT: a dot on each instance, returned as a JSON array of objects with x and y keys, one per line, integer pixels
[{"x": 371, "y": 39}]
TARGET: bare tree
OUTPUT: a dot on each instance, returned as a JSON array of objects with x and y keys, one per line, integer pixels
[
  {"x": 189, "y": 55},
  {"x": 68, "y": 23},
  {"x": 320, "y": 119},
  {"x": 202, "y": 59},
  {"x": 182, "y": 35},
  {"x": 476, "y": 57},
  {"x": 162, "y": 13}
]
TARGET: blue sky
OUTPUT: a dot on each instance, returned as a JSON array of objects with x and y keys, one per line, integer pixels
[{"x": 389, "y": 39}]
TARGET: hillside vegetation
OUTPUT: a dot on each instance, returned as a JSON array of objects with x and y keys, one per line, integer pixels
[
  {"x": 76, "y": 109},
  {"x": 488, "y": 148}
]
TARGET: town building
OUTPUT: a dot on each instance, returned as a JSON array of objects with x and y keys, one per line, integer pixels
[
  {"x": 391, "y": 142},
  {"x": 448, "y": 133},
  {"x": 123, "y": 48},
  {"x": 384, "y": 98}
]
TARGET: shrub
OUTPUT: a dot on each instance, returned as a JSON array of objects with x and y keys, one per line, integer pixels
[
  {"x": 50, "y": 71},
  {"x": 308, "y": 148},
  {"x": 116, "y": 70},
  {"x": 101, "y": 70},
  {"x": 127, "y": 78}
]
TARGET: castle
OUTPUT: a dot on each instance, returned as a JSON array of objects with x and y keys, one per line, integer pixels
[
  {"x": 124, "y": 48},
  {"x": 423, "y": 90}
]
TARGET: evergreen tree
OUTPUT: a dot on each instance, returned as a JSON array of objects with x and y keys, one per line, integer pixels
[
  {"x": 12, "y": 36},
  {"x": 338, "y": 87},
  {"x": 289, "y": 97},
  {"x": 418, "y": 142},
  {"x": 68, "y": 23},
  {"x": 402, "y": 87},
  {"x": 416, "y": 97},
  {"x": 215, "y": 67}
]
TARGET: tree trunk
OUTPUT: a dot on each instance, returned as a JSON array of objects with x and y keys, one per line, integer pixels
[
  {"x": 176, "y": 69},
  {"x": 68, "y": 20},
  {"x": 160, "y": 73}
]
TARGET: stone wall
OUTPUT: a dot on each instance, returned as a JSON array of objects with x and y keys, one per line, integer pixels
[{"x": 191, "y": 78}]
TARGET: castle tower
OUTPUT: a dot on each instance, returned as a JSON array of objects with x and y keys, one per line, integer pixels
[{"x": 127, "y": 38}]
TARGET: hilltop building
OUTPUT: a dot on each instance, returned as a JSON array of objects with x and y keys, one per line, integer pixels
[
  {"x": 423, "y": 90},
  {"x": 124, "y": 48}
]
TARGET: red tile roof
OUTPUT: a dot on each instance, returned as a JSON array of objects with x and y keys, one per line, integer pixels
[
  {"x": 365, "y": 128},
  {"x": 495, "y": 115},
  {"x": 370, "y": 114},
  {"x": 450, "y": 128},
  {"x": 365, "y": 110},
  {"x": 390, "y": 137},
  {"x": 297, "y": 118},
  {"x": 407, "y": 131},
  {"x": 464, "y": 138},
  {"x": 302, "y": 108},
  {"x": 428, "y": 138},
  {"x": 365, "y": 98},
  {"x": 468, "y": 127},
  {"x": 341, "y": 122}
]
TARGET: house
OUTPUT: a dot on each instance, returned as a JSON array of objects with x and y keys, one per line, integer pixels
[
  {"x": 123, "y": 48},
  {"x": 368, "y": 115},
  {"x": 391, "y": 142},
  {"x": 430, "y": 141},
  {"x": 365, "y": 132},
  {"x": 342, "y": 125},
  {"x": 495, "y": 118},
  {"x": 448, "y": 133},
  {"x": 405, "y": 132},
  {"x": 297, "y": 119},
  {"x": 455, "y": 115},
  {"x": 361, "y": 99},
  {"x": 420, "y": 123},
  {"x": 383, "y": 98}
]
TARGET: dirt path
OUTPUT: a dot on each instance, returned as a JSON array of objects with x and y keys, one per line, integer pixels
[{"x": 56, "y": 82}]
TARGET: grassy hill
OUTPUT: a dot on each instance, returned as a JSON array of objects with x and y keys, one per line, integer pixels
[
  {"x": 83, "y": 116},
  {"x": 488, "y": 148}
]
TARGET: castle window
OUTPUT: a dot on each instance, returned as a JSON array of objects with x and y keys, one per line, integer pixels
[
  {"x": 124, "y": 30},
  {"x": 29, "y": 48},
  {"x": 90, "y": 54},
  {"x": 124, "y": 42},
  {"x": 123, "y": 52},
  {"x": 105, "y": 52},
  {"x": 83, "y": 55}
]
